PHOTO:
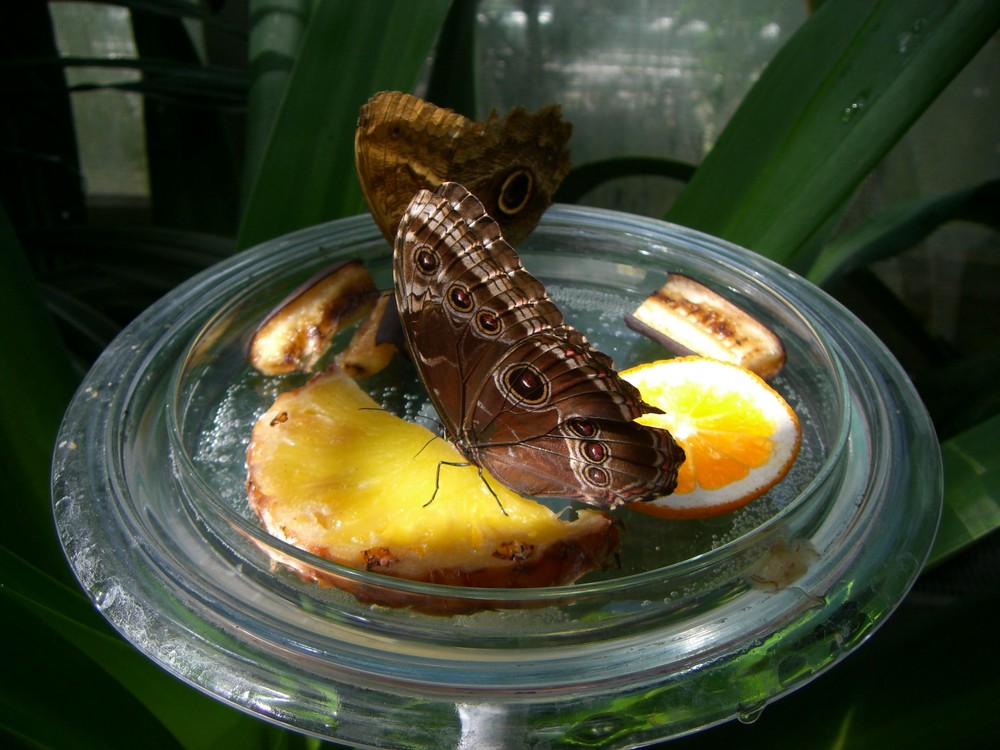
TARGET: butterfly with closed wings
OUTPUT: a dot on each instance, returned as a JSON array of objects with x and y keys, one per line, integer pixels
[
  {"x": 520, "y": 392},
  {"x": 512, "y": 164}
]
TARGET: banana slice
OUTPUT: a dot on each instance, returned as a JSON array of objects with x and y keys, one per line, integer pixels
[
  {"x": 687, "y": 317},
  {"x": 376, "y": 340},
  {"x": 299, "y": 331}
]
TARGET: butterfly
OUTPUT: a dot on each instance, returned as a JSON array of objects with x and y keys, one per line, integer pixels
[
  {"x": 513, "y": 165},
  {"x": 520, "y": 392}
]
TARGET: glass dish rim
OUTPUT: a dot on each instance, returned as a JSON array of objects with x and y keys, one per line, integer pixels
[{"x": 578, "y": 218}]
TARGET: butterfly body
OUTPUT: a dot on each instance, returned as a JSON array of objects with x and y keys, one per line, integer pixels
[{"x": 520, "y": 392}]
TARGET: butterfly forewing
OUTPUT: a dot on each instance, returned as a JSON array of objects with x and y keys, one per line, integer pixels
[{"x": 520, "y": 392}]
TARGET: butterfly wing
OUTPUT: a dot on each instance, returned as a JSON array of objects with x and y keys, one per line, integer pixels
[
  {"x": 404, "y": 144},
  {"x": 555, "y": 422},
  {"x": 520, "y": 392}
]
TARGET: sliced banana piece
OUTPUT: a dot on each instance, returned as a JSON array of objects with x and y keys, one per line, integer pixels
[
  {"x": 376, "y": 340},
  {"x": 300, "y": 329},
  {"x": 687, "y": 317}
]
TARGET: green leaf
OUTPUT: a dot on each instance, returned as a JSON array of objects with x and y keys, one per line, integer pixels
[
  {"x": 828, "y": 107},
  {"x": 926, "y": 680},
  {"x": 900, "y": 228},
  {"x": 971, "y": 489},
  {"x": 36, "y": 383},
  {"x": 964, "y": 393},
  {"x": 581, "y": 180},
  {"x": 350, "y": 51},
  {"x": 277, "y": 28},
  {"x": 192, "y": 157},
  {"x": 452, "y": 82},
  {"x": 194, "y": 719}
]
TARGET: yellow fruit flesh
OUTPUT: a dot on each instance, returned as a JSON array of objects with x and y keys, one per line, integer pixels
[{"x": 334, "y": 474}]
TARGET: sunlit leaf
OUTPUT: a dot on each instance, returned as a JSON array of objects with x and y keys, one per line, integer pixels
[
  {"x": 971, "y": 488},
  {"x": 277, "y": 28},
  {"x": 828, "y": 107},
  {"x": 350, "y": 51}
]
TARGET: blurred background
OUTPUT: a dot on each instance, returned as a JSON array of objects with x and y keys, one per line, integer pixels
[{"x": 660, "y": 80}]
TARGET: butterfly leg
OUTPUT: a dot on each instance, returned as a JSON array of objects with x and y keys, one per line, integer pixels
[
  {"x": 492, "y": 491},
  {"x": 437, "y": 476},
  {"x": 437, "y": 482}
]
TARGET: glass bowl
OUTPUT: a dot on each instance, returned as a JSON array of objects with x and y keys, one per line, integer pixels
[{"x": 700, "y": 622}]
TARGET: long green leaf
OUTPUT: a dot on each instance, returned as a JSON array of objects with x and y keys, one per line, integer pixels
[
  {"x": 971, "y": 488},
  {"x": 350, "y": 50},
  {"x": 831, "y": 103},
  {"x": 194, "y": 719},
  {"x": 275, "y": 34},
  {"x": 964, "y": 393},
  {"x": 193, "y": 169},
  {"x": 899, "y": 229},
  {"x": 36, "y": 383},
  {"x": 452, "y": 82}
]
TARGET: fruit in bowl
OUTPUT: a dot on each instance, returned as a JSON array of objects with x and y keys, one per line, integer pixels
[{"x": 332, "y": 473}]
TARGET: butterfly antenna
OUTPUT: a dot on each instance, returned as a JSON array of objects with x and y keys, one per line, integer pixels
[
  {"x": 438, "y": 422},
  {"x": 432, "y": 439}
]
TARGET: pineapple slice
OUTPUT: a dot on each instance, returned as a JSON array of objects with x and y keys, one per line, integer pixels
[{"x": 332, "y": 473}]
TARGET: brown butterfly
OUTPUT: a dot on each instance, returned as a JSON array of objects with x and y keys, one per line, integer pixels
[
  {"x": 520, "y": 392},
  {"x": 404, "y": 144}
]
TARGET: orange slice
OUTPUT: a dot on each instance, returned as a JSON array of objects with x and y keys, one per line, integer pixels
[
  {"x": 332, "y": 473},
  {"x": 739, "y": 435}
]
